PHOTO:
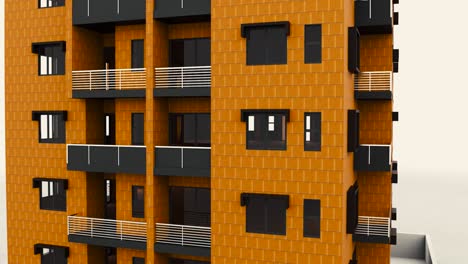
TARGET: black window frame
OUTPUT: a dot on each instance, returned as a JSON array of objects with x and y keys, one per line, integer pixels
[
  {"x": 313, "y": 44},
  {"x": 312, "y": 221},
  {"x": 56, "y": 133},
  {"x": 200, "y": 54},
  {"x": 354, "y": 57},
  {"x": 353, "y": 130},
  {"x": 138, "y": 133},
  {"x": 138, "y": 260},
  {"x": 177, "y": 119},
  {"x": 202, "y": 215},
  {"x": 52, "y": 52},
  {"x": 352, "y": 208},
  {"x": 312, "y": 131},
  {"x": 60, "y": 253},
  {"x": 274, "y": 51},
  {"x": 138, "y": 54},
  {"x": 259, "y": 135},
  {"x": 138, "y": 206},
  {"x": 51, "y": 3},
  {"x": 55, "y": 198},
  {"x": 261, "y": 222}
]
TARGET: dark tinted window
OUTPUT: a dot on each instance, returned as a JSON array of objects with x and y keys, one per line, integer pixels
[
  {"x": 354, "y": 58},
  {"x": 50, "y": 3},
  {"x": 190, "y": 52},
  {"x": 266, "y": 45},
  {"x": 353, "y": 130},
  {"x": 138, "y": 201},
  {"x": 186, "y": 261},
  {"x": 312, "y": 218},
  {"x": 51, "y": 126},
  {"x": 312, "y": 131},
  {"x": 51, "y": 60},
  {"x": 138, "y": 260},
  {"x": 189, "y": 129},
  {"x": 138, "y": 58},
  {"x": 190, "y": 206},
  {"x": 265, "y": 213},
  {"x": 313, "y": 44},
  {"x": 52, "y": 194},
  {"x": 138, "y": 129},
  {"x": 266, "y": 131},
  {"x": 352, "y": 201},
  {"x": 51, "y": 254}
]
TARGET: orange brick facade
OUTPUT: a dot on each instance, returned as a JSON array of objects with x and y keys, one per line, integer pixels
[{"x": 325, "y": 175}]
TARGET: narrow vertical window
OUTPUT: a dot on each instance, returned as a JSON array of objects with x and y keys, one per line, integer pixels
[
  {"x": 138, "y": 201},
  {"x": 313, "y": 44},
  {"x": 312, "y": 131},
  {"x": 312, "y": 218},
  {"x": 138, "y": 50}
]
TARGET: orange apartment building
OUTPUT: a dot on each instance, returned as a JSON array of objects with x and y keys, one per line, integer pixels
[{"x": 200, "y": 131}]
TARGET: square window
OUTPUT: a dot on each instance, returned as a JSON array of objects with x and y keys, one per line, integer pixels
[
  {"x": 265, "y": 213},
  {"x": 51, "y": 58},
  {"x": 51, "y": 126},
  {"x": 312, "y": 218},
  {"x": 312, "y": 131},
  {"x": 52, "y": 254},
  {"x": 266, "y": 129},
  {"x": 52, "y": 193},
  {"x": 266, "y": 43}
]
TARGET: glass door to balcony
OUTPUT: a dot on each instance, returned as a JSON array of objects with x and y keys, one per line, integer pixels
[
  {"x": 190, "y": 206},
  {"x": 109, "y": 64},
  {"x": 189, "y": 52}
]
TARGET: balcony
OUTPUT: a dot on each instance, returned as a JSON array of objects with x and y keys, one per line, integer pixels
[
  {"x": 114, "y": 83},
  {"x": 374, "y": 230},
  {"x": 182, "y": 10},
  {"x": 373, "y": 158},
  {"x": 373, "y": 85},
  {"x": 87, "y": 12},
  {"x": 182, "y": 81},
  {"x": 183, "y": 240},
  {"x": 107, "y": 232},
  {"x": 182, "y": 161},
  {"x": 374, "y": 16},
  {"x": 106, "y": 158}
]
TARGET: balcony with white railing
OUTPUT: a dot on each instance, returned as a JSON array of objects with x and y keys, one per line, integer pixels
[
  {"x": 183, "y": 239},
  {"x": 106, "y": 158},
  {"x": 182, "y": 81},
  {"x": 107, "y": 232},
  {"x": 110, "y": 83},
  {"x": 182, "y": 161},
  {"x": 376, "y": 85},
  {"x": 374, "y": 230},
  {"x": 373, "y": 157}
]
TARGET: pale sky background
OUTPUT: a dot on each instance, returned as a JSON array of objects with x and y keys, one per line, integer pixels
[{"x": 431, "y": 138}]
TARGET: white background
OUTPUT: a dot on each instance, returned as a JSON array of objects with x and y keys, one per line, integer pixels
[
  {"x": 431, "y": 138},
  {"x": 3, "y": 236}
]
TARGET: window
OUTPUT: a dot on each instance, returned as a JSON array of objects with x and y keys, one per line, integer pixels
[
  {"x": 51, "y": 254},
  {"x": 138, "y": 128},
  {"x": 354, "y": 59},
  {"x": 266, "y": 129},
  {"x": 312, "y": 218},
  {"x": 313, "y": 44},
  {"x": 189, "y": 129},
  {"x": 52, "y": 193},
  {"x": 265, "y": 213},
  {"x": 190, "y": 206},
  {"x": 51, "y": 3},
  {"x": 138, "y": 51},
  {"x": 353, "y": 130},
  {"x": 51, "y": 125},
  {"x": 138, "y": 201},
  {"x": 189, "y": 52},
  {"x": 352, "y": 208},
  {"x": 138, "y": 260},
  {"x": 51, "y": 57},
  {"x": 266, "y": 42},
  {"x": 313, "y": 131}
]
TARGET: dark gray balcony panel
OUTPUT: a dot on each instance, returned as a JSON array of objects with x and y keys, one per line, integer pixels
[
  {"x": 185, "y": 92},
  {"x": 104, "y": 94},
  {"x": 107, "y": 159},
  {"x": 106, "y": 242},
  {"x": 182, "y": 250},
  {"x": 371, "y": 239},
  {"x": 87, "y": 12},
  {"x": 373, "y": 16},
  {"x": 373, "y": 95},
  {"x": 372, "y": 158},
  {"x": 182, "y": 162},
  {"x": 180, "y": 10}
]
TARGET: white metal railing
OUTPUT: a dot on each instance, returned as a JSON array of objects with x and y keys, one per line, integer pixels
[
  {"x": 181, "y": 151},
  {"x": 183, "y": 235},
  {"x": 106, "y": 228},
  {"x": 113, "y": 79},
  {"x": 374, "y": 81},
  {"x": 373, "y": 226},
  {"x": 377, "y": 145},
  {"x": 104, "y": 146},
  {"x": 183, "y": 77}
]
